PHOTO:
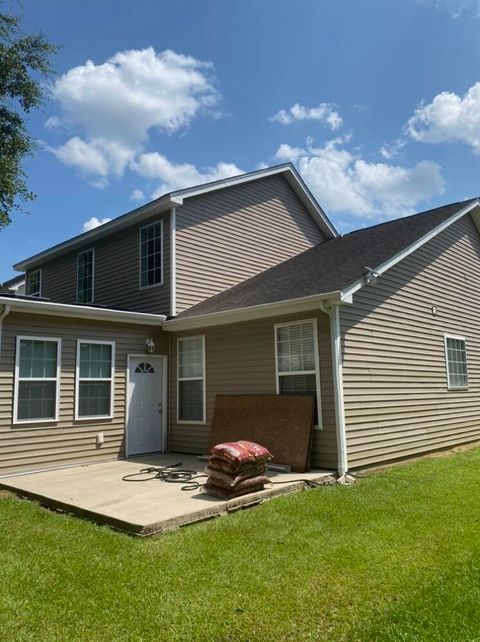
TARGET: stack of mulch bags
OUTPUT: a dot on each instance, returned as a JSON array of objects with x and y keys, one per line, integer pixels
[{"x": 236, "y": 468}]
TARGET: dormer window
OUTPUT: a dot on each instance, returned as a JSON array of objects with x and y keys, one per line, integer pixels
[
  {"x": 33, "y": 284},
  {"x": 85, "y": 268},
  {"x": 151, "y": 255}
]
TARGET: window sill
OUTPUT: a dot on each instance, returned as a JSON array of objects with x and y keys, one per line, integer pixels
[
  {"x": 33, "y": 422},
  {"x": 150, "y": 287},
  {"x": 195, "y": 423},
  {"x": 95, "y": 418}
]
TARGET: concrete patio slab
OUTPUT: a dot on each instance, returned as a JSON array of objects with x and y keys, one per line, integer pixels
[{"x": 97, "y": 491}]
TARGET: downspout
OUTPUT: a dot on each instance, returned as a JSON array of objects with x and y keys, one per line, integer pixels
[
  {"x": 4, "y": 311},
  {"x": 333, "y": 312},
  {"x": 173, "y": 262}
]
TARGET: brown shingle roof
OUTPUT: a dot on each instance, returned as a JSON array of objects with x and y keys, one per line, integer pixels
[{"x": 329, "y": 266}]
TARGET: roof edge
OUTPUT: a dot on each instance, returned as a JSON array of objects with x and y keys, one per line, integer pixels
[
  {"x": 120, "y": 222},
  {"x": 295, "y": 181},
  {"x": 349, "y": 291},
  {"x": 250, "y": 313},
  {"x": 80, "y": 312},
  {"x": 176, "y": 198}
]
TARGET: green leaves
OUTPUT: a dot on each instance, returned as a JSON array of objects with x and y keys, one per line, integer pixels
[{"x": 24, "y": 64}]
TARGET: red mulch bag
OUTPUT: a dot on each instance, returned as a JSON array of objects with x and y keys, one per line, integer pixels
[
  {"x": 233, "y": 481},
  {"x": 250, "y": 468},
  {"x": 241, "y": 484},
  {"x": 233, "y": 469},
  {"x": 221, "y": 493},
  {"x": 240, "y": 452}
]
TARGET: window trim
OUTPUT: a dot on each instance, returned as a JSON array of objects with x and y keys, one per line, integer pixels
[
  {"x": 203, "y": 378},
  {"x": 459, "y": 338},
  {"x": 154, "y": 285},
  {"x": 17, "y": 379},
  {"x": 316, "y": 356},
  {"x": 29, "y": 274},
  {"x": 92, "y": 250},
  {"x": 78, "y": 380}
]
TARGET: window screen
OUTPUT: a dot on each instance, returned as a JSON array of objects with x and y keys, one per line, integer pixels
[
  {"x": 191, "y": 380},
  {"x": 456, "y": 362},
  {"x": 95, "y": 379},
  {"x": 85, "y": 277},
  {"x": 296, "y": 360},
  {"x": 151, "y": 255},
  {"x": 33, "y": 285},
  {"x": 37, "y": 379}
]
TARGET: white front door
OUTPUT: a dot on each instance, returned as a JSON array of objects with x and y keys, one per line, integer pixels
[{"x": 144, "y": 413}]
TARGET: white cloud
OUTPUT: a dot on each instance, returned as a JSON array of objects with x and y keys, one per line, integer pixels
[
  {"x": 114, "y": 105},
  {"x": 324, "y": 112},
  {"x": 94, "y": 222},
  {"x": 172, "y": 177},
  {"x": 137, "y": 195},
  {"x": 390, "y": 150},
  {"x": 449, "y": 118},
  {"x": 98, "y": 156},
  {"x": 457, "y": 8},
  {"x": 286, "y": 153},
  {"x": 53, "y": 122},
  {"x": 344, "y": 182}
]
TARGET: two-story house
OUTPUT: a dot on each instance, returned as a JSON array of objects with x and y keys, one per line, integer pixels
[{"x": 127, "y": 332}]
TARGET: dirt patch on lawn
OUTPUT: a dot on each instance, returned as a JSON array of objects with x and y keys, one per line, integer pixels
[{"x": 4, "y": 494}]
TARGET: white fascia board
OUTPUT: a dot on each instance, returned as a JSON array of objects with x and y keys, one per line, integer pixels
[
  {"x": 293, "y": 178},
  {"x": 176, "y": 198},
  {"x": 125, "y": 220},
  {"x": 250, "y": 313},
  {"x": 179, "y": 196},
  {"x": 81, "y": 312},
  {"x": 392, "y": 261},
  {"x": 307, "y": 198}
]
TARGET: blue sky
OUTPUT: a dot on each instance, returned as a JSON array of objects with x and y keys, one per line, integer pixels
[{"x": 376, "y": 102}]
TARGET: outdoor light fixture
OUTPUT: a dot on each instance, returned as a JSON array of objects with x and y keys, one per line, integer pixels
[{"x": 150, "y": 343}]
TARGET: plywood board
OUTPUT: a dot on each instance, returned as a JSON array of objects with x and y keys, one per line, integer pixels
[{"x": 282, "y": 423}]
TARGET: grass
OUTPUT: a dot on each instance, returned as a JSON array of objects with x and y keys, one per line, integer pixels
[{"x": 396, "y": 557}]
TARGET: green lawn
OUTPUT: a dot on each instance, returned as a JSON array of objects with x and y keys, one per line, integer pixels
[{"x": 396, "y": 557}]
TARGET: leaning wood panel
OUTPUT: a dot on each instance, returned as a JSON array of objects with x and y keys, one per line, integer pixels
[{"x": 281, "y": 423}]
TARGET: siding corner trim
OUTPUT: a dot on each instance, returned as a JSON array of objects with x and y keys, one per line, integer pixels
[
  {"x": 337, "y": 363},
  {"x": 173, "y": 261}
]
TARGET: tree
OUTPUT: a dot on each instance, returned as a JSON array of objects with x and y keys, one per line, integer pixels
[{"x": 24, "y": 65}]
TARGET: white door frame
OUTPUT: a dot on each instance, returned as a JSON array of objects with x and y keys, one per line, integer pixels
[{"x": 164, "y": 358}]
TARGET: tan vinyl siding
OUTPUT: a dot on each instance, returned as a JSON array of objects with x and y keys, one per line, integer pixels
[
  {"x": 35, "y": 446},
  {"x": 240, "y": 359},
  {"x": 395, "y": 382},
  {"x": 225, "y": 237},
  {"x": 116, "y": 280}
]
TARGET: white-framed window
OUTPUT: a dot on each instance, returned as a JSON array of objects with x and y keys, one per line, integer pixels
[
  {"x": 297, "y": 362},
  {"x": 151, "y": 254},
  {"x": 94, "y": 379},
  {"x": 191, "y": 379},
  {"x": 456, "y": 361},
  {"x": 37, "y": 379},
  {"x": 33, "y": 283},
  {"x": 85, "y": 276}
]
